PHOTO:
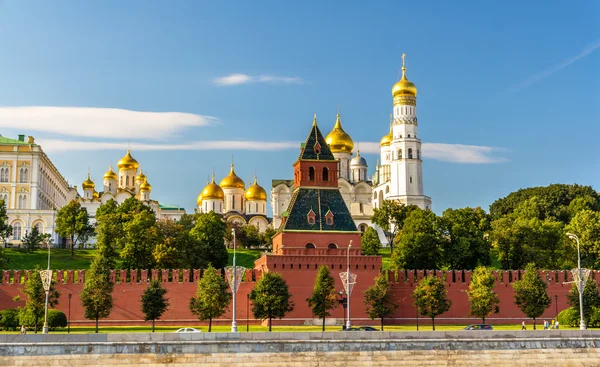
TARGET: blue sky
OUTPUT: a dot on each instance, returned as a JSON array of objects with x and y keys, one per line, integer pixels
[{"x": 508, "y": 98}]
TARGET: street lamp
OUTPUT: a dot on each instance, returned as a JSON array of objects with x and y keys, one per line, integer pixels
[
  {"x": 69, "y": 323},
  {"x": 344, "y": 302},
  {"x": 247, "y": 312},
  {"x": 46, "y": 276},
  {"x": 556, "y": 305},
  {"x": 580, "y": 283},
  {"x": 349, "y": 290},
  {"x": 233, "y": 322}
]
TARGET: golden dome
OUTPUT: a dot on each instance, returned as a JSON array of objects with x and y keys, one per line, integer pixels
[
  {"x": 128, "y": 162},
  {"x": 199, "y": 200},
  {"x": 145, "y": 186},
  {"x": 88, "y": 184},
  {"x": 338, "y": 140},
  {"x": 110, "y": 174},
  {"x": 232, "y": 181},
  {"x": 212, "y": 191},
  {"x": 140, "y": 177},
  {"x": 404, "y": 87},
  {"x": 387, "y": 139},
  {"x": 95, "y": 195},
  {"x": 255, "y": 192}
]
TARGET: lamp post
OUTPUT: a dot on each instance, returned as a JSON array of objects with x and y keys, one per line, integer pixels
[
  {"x": 46, "y": 276},
  {"x": 233, "y": 322},
  {"x": 69, "y": 323},
  {"x": 556, "y": 305},
  {"x": 348, "y": 322},
  {"x": 247, "y": 312},
  {"x": 344, "y": 302},
  {"x": 580, "y": 285}
]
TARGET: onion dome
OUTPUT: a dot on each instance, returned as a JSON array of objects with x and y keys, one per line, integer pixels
[
  {"x": 110, "y": 174},
  {"x": 145, "y": 186},
  {"x": 128, "y": 162},
  {"x": 387, "y": 139},
  {"x": 338, "y": 140},
  {"x": 255, "y": 192},
  {"x": 140, "y": 177},
  {"x": 212, "y": 191},
  {"x": 88, "y": 184},
  {"x": 404, "y": 87},
  {"x": 232, "y": 181},
  {"x": 95, "y": 195},
  {"x": 199, "y": 200},
  {"x": 358, "y": 161}
]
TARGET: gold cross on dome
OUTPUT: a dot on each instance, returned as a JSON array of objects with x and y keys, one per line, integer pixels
[{"x": 403, "y": 56}]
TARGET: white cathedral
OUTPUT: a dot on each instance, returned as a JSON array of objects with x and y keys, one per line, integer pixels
[{"x": 399, "y": 177}]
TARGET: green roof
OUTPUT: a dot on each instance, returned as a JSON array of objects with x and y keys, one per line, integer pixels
[
  {"x": 8, "y": 141},
  {"x": 170, "y": 207},
  {"x": 320, "y": 201},
  {"x": 313, "y": 139}
]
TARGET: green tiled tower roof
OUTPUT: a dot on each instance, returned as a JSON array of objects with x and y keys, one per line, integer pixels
[
  {"x": 315, "y": 138},
  {"x": 8, "y": 141},
  {"x": 320, "y": 201}
]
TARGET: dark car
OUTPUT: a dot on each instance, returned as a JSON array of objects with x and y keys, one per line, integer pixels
[
  {"x": 361, "y": 328},
  {"x": 479, "y": 327}
]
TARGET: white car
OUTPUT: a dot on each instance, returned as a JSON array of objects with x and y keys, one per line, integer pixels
[{"x": 188, "y": 330}]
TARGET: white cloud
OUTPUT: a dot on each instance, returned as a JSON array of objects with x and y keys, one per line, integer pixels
[
  {"x": 239, "y": 79},
  {"x": 456, "y": 153},
  {"x": 556, "y": 68},
  {"x": 100, "y": 122}
]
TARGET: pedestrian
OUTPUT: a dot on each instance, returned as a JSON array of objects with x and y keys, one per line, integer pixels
[
  {"x": 523, "y": 326},
  {"x": 545, "y": 324},
  {"x": 552, "y": 324},
  {"x": 556, "y": 325},
  {"x": 23, "y": 330}
]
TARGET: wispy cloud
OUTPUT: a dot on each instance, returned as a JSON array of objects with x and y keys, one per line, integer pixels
[
  {"x": 556, "y": 68},
  {"x": 239, "y": 79},
  {"x": 456, "y": 153},
  {"x": 100, "y": 122}
]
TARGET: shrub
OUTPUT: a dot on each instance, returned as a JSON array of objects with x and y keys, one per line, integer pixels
[
  {"x": 9, "y": 319},
  {"x": 594, "y": 318},
  {"x": 56, "y": 319},
  {"x": 569, "y": 317}
]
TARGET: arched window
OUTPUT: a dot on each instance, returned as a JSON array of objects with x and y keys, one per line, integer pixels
[
  {"x": 331, "y": 246},
  {"x": 399, "y": 153},
  {"x": 418, "y": 154},
  {"x": 325, "y": 174},
  {"x": 310, "y": 245},
  {"x": 410, "y": 153},
  {"x": 109, "y": 186},
  {"x": 387, "y": 189},
  {"x": 39, "y": 227},
  {"x": 410, "y": 179},
  {"x": 374, "y": 196},
  {"x": 311, "y": 173},
  {"x": 126, "y": 180},
  {"x": 4, "y": 175},
  {"x": 17, "y": 231}
]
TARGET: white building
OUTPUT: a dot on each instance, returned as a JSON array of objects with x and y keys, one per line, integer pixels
[
  {"x": 127, "y": 183},
  {"x": 31, "y": 187},
  {"x": 236, "y": 203}
]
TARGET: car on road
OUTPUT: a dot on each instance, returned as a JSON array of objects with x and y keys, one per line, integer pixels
[
  {"x": 361, "y": 328},
  {"x": 479, "y": 327},
  {"x": 188, "y": 330}
]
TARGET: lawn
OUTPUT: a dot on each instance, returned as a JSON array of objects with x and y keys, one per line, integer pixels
[
  {"x": 386, "y": 258},
  {"x": 61, "y": 259}
]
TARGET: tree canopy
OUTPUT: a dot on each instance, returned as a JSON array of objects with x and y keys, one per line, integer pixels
[
  {"x": 212, "y": 297},
  {"x": 531, "y": 295},
  {"x": 154, "y": 301},
  {"x": 324, "y": 297},
  {"x": 370, "y": 243},
  {"x": 431, "y": 298},
  {"x": 271, "y": 298},
  {"x": 482, "y": 298},
  {"x": 378, "y": 299},
  {"x": 32, "y": 314},
  {"x": 73, "y": 222}
]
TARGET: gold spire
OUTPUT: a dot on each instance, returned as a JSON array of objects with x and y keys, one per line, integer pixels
[
  {"x": 232, "y": 181},
  {"x": 88, "y": 184},
  {"x": 128, "y": 162},
  {"x": 338, "y": 140},
  {"x": 315, "y": 120},
  {"x": 387, "y": 139},
  {"x": 255, "y": 192},
  {"x": 110, "y": 174},
  {"x": 404, "y": 87},
  {"x": 211, "y": 191}
]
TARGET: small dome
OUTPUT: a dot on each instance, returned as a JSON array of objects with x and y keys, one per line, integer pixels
[
  {"x": 387, "y": 139},
  {"x": 199, "y": 200},
  {"x": 232, "y": 181},
  {"x": 145, "y": 186},
  {"x": 110, "y": 174},
  {"x": 140, "y": 177},
  {"x": 212, "y": 191},
  {"x": 338, "y": 140},
  {"x": 358, "y": 161},
  {"x": 95, "y": 195},
  {"x": 255, "y": 192},
  {"x": 128, "y": 162},
  {"x": 88, "y": 184},
  {"x": 404, "y": 87}
]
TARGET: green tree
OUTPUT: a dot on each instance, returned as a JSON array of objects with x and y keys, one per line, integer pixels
[
  {"x": 73, "y": 222},
  {"x": 370, "y": 243},
  {"x": 154, "y": 302},
  {"x": 253, "y": 239},
  {"x": 531, "y": 295},
  {"x": 419, "y": 244},
  {"x": 109, "y": 228},
  {"x": 96, "y": 296},
  {"x": 390, "y": 217},
  {"x": 378, "y": 299},
  {"x": 586, "y": 224},
  {"x": 9, "y": 319},
  {"x": 140, "y": 239},
  {"x": 482, "y": 298},
  {"x": 271, "y": 298},
  {"x": 465, "y": 244},
  {"x": 431, "y": 298},
  {"x": 266, "y": 237},
  {"x": 323, "y": 298},
  {"x": 591, "y": 299},
  {"x": 212, "y": 298},
  {"x": 32, "y": 314},
  {"x": 209, "y": 231},
  {"x": 5, "y": 232},
  {"x": 32, "y": 239}
]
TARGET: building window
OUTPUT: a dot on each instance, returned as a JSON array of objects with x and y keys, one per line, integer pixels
[
  {"x": 39, "y": 228},
  {"x": 418, "y": 154},
  {"x": 310, "y": 245},
  {"x": 17, "y": 231},
  {"x": 408, "y": 135},
  {"x": 332, "y": 246},
  {"x": 22, "y": 203},
  {"x": 23, "y": 175},
  {"x": 399, "y": 153},
  {"x": 387, "y": 189},
  {"x": 410, "y": 153},
  {"x": 329, "y": 221},
  {"x": 126, "y": 180},
  {"x": 410, "y": 178},
  {"x": 325, "y": 174},
  {"x": 311, "y": 217},
  {"x": 311, "y": 174},
  {"x": 4, "y": 175}
]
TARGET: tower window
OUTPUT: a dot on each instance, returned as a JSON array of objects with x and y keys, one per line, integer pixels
[
  {"x": 418, "y": 154},
  {"x": 126, "y": 180},
  {"x": 310, "y": 245},
  {"x": 410, "y": 153},
  {"x": 325, "y": 174},
  {"x": 408, "y": 135},
  {"x": 410, "y": 179},
  {"x": 399, "y": 153},
  {"x": 311, "y": 173}
]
